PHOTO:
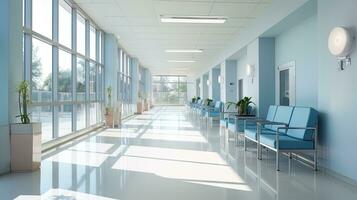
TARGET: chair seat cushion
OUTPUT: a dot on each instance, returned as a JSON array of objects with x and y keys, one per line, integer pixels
[
  {"x": 251, "y": 132},
  {"x": 224, "y": 122},
  {"x": 285, "y": 142},
  {"x": 239, "y": 127},
  {"x": 213, "y": 114}
]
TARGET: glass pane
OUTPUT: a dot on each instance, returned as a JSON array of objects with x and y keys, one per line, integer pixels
[
  {"x": 65, "y": 24},
  {"x": 92, "y": 81},
  {"x": 64, "y": 76},
  {"x": 100, "y": 46},
  {"x": 43, "y": 114},
  {"x": 81, "y": 36},
  {"x": 64, "y": 120},
  {"x": 41, "y": 76},
  {"x": 183, "y": 79},
  {"x": 81, "y": 77},
  {"x": 100, "y": 83},
  {"x": 93, "y": 113},
  {"x": 81, "y": 116},
  {"x": 42, "y": 17},
  {"x": 172, "y": 78},
  {"x": 92, "y": 38},
  {"x": 284, "y": 88}
]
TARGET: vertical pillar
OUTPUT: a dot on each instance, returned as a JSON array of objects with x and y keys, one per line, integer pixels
[{"x": 12, "y": 72}]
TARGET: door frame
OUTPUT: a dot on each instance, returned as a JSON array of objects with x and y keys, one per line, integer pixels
[{"x": 291, "y": 66}]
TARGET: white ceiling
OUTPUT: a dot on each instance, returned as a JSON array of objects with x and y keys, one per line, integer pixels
[{"x": 137, "y": 25}]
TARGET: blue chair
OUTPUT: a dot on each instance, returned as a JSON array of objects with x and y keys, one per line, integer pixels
[
  {"x": 215, "y": 111},
  {"x": 300, "y": 135},
  {"x": 198, "y": 105},
  {"x": 236, "y": 124}
]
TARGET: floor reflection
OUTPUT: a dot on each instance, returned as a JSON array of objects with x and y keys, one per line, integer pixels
[{"x": 167, "y": 153}]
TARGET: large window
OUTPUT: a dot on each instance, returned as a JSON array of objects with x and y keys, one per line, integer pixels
[
  {"x": 169, "y": 90},
  {"x": 124, "y": 84},
  {"x": 63, "y": 63}
]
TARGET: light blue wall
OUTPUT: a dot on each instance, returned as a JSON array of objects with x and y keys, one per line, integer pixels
[
  {"x": 111, "y": 58},
  {"x": 134, "y": 79},
  {"x": 337, "y": 94},
  {"x": 4, "y": 87},
  {"x": 216, "y": 92},
  {"x": 266, "y": 75},
  {"x": 299, "y": 44},
  {"x": 204, "y": 86},
  {"x": 231, "y": 80},
  {"x": 260, "y": 54}
]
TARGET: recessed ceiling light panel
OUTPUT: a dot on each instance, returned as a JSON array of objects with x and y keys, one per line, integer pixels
[
  {"x": 194, "y": 19},
  {"x": 181, "y": 61},
  {"x": 184, "y": 51}
]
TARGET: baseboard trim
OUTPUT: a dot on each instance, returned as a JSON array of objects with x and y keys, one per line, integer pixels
[
  {"x": 338, "y": 176},
  {"x": 62, "y": 140}
]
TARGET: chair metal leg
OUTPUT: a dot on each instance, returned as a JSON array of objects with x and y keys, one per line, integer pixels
[
  {"x": 277, "y": 160},
  {"x": 245, "y": 145},
  {"x": 315, "y": 160}
]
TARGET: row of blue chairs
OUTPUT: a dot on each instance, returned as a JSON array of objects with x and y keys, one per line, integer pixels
[{"x": 286, "y": 129}]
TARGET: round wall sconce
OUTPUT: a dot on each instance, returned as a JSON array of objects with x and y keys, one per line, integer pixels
[
  {"x": 207, "y": 82},
  {"x": 340, "y": 45},
  {"x": 250, "y": 71},
  {"x": 220, "y": 79}
]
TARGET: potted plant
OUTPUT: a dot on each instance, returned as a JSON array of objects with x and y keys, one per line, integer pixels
[
  {"x": 109, "y": 109},
  {"x": 25, "y": 136},
  {"x": 242, "y": 105},
  {"x": 146, "y": 103},
  {"x": 208, "y": 102},
  {"x": 139, "y": 104}
]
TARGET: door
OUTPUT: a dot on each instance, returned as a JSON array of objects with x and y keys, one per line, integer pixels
[
  {"x": 286, "y": 84},
  {"x": 240, "y": 89}
]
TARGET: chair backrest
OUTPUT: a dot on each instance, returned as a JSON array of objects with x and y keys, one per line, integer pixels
[
  {"x": 303, "y": 117},
  {"x": 282, "y": 115},
  {"x": 218, "y": 106},
  {"x": 271, "y": 115}
]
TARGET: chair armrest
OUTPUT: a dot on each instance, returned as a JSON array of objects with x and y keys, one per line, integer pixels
[
  {"x": 262, "y": 123},
  {"x": 229, "y": 112},
  {"x": 302, "y": 128}
]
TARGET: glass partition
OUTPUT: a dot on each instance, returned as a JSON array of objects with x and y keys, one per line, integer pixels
[{"x": 169, "y": 90}]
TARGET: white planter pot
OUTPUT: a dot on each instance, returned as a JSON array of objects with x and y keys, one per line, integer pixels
[{"x": 25, "y": 147}]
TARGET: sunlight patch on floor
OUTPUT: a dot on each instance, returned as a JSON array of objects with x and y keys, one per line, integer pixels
[
  {"x": 118, "y": 134},
  {"x": 61, "y": 194},
  {"x": 177, "y": 138},
  {"x": 184, "y": 171},
  {"x": 175, "y": 154},
  {"x": 92, "y": 147},
  {"x": 79, "y": 158}
]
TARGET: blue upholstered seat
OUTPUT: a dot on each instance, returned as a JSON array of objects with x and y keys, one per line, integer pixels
[
  {"x": 251, "y": 132},
  {"x": 285, "y": 142},
  {"x": 251, "y": 127},
  {"x": 239, "y": 127},
  {"x": 302, "y": 117},
  {"x": 224, "y": 122},
  {"x": 215, "y": 111},
  {"x": 282, "y": 115}
]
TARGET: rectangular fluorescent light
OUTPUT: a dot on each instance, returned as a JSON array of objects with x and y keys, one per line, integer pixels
[
  {"x": 194, "y": 19},
  {"x": 181, "y": 61},
  {"x": 184, "y": 51}
]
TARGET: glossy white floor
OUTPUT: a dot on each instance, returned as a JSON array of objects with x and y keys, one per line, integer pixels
[{"x": 167, "y": 154}]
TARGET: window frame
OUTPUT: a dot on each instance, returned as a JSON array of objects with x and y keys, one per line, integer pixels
[{"x": 72, "y": 50}]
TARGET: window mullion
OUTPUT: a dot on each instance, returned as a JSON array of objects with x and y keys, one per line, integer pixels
[
  {"x": 55, "y": 66},
  {"x": 74, "y": 69},
  {"x": 87, "y": 52}
]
